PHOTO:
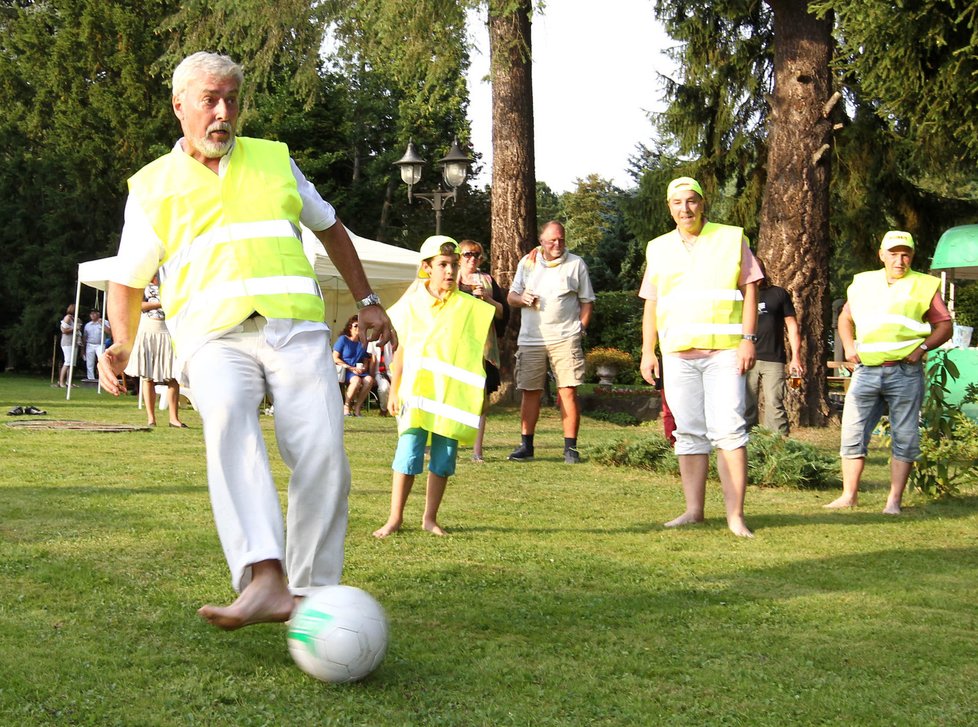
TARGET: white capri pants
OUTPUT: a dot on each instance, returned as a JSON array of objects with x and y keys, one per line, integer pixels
[
  {"x": 383, "y": 390},
  {"x": 707, "y": 398},
  {"x": 229, "y": 376}
]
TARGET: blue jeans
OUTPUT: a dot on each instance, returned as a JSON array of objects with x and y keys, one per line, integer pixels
[{"x": 901, "y": 389}]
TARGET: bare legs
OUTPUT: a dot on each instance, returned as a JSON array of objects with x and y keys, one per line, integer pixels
[
  {"x": 570, "y": 413},
  {"x": 357, "y": 391},
  {"x": 692, "y": 470},
  {"x": 530, "y": 410},
  {"x": 266, "y": 599},
  {"x": 172, "y": 401},
  {"x": 732, "y": 465},
  {"x": 899, "y": 474},
  {"x": 149, "y": 401},
  {"x": 852, "y": 470},
  {"x": 400, "y": 489},
  {"x": 479, "y": 437}
]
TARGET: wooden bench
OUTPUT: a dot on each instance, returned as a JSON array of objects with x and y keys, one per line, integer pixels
[{"x": 837, "y": 379}]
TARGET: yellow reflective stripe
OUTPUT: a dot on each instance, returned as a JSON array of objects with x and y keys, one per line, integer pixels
[
  {"x": 215, "y": 295},
  {"x": 439, "y": 409},
  {"x": 681, "y": 295},
  {"x": 709, "y": 329},
  {"x": 234, "y": 232},
  {"x": 895, "y": 319},
  {"x": 887, "y": 346},
  {"x": 451, "y": 371}
]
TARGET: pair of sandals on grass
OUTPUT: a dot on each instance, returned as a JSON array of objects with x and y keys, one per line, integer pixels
[{"x": 19, "y": 410}]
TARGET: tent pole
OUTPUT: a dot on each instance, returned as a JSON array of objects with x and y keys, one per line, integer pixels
[
  {"x": 101, "y": 345},
  {"x": 74, "y": 339}
]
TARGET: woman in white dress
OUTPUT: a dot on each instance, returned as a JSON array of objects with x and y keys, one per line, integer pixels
[{"x": 152, "y": 358}]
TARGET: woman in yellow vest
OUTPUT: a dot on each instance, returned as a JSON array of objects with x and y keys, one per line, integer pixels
[
  {"x": 891, "y": 319},
  {"x": 437, "y": 379}
]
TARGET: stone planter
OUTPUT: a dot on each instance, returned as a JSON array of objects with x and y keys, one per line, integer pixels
[{"x": 606, "y": 374}]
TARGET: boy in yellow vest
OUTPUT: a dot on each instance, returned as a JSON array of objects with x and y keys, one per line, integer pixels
[
  {"x": 892, "y": 318},
  {"x": 437, "y": 379}
]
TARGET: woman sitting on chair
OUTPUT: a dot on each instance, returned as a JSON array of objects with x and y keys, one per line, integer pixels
[{"x": 351, "y": 357}]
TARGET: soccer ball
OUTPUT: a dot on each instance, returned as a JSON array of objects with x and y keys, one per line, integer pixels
[{"x": 338, "y": 634}]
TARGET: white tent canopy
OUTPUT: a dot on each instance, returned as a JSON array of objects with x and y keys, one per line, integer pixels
[
  {"x": 389, "y": 269},
  {"x": 94, "y": 274}
]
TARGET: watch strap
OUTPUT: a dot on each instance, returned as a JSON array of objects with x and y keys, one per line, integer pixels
[{"x": 372, "y": 299}]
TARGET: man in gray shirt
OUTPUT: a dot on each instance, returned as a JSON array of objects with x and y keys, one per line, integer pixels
[{"x": 553, "y": 289}]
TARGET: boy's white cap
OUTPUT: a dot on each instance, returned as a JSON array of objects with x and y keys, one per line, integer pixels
[{"x": 432, "y": 247}]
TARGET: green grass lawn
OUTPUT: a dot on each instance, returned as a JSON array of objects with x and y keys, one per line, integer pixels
[{"x": 557, "y": 599}]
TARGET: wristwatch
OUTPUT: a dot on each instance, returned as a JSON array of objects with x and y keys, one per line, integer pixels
[
  {"x": 750, "y": 337},
  {"x": 372, "y": 299},
  {"x": 923, "y": 347}
]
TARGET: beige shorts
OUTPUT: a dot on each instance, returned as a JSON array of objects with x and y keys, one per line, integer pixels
[{"x": 566, "y": 360}]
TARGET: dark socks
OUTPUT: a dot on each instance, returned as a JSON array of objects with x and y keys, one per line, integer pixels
[
  {"x": 527, "y": 441},
  {"x": 570, "y": 443}
]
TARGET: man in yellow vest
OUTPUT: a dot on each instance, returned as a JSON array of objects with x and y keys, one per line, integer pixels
[
  {"x": 438, "y": 379},
  {"x": 700, "y": 291},
  {"x": 891, "y": 319},
  {"x": 219, "y": 217}
]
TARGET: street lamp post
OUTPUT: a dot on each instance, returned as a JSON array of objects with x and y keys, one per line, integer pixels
[{"x": 454, "y": 170}]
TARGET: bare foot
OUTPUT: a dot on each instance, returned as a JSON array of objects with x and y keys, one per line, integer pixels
[
  {"x": 390, "y": 527},
  {"x": 433, "y": 528},
  {"x": 739, "y": 528},
  {"x": 685, "y": 519},
  {"x": 841, "y": 502},
  {"x": 892, "y": 509},
  {"x": 253, "y": 606}
]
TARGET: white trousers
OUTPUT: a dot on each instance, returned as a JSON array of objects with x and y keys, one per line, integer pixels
[
  {"x": 230, "y": 376},
  {"x": 92, "y": 352},
  {"x": 706, "y": 397}
]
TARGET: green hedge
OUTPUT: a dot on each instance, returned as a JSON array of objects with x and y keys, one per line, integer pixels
[{"x": 617, "y": 322}]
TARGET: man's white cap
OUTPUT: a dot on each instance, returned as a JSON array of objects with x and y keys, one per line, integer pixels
[{"x": 896, "y": 238}]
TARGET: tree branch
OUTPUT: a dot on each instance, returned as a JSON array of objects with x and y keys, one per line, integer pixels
[{"x": 830, "y": 104}]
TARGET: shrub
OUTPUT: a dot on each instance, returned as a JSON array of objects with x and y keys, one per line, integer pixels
[
  {"x": 621, "y": 418},
  {"x": 652, "y": 453},
  {"x": 607, "y": 356},
  {"x": 617, "y": 322},
  {"x": 784, "y": 462},
  {"x": 948, "y": 438},
  {"x": 772, "y": 460}
]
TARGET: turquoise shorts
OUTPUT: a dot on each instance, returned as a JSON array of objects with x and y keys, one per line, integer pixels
[{"x": 409, "y": 457}]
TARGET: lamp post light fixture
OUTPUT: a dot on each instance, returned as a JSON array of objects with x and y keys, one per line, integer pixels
[{"x": 454, "y": 170}]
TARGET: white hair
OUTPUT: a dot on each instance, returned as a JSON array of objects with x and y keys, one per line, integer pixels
[{"x": 204, "y": 63}]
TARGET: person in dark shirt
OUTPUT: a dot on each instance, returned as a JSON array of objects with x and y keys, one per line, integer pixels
[{"x": 775, "y": 313}]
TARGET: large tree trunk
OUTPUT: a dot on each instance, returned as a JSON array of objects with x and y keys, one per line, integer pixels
[
  {"x": 513, "y": 173},
  {"x": 794, "y": 229}
]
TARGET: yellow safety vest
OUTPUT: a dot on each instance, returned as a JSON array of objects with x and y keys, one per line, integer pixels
[
  {"x": 698, "y": 302},
  {"x": 232, "y": 242},
  {"x": 889, "y": 317},
  {"x": 443, "y": 378}
]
